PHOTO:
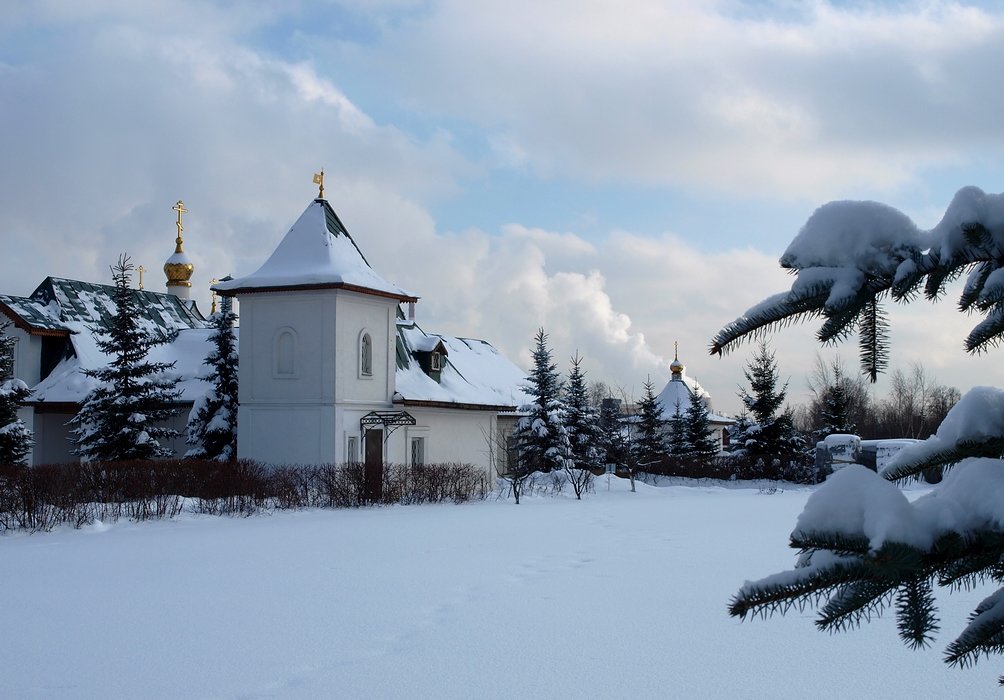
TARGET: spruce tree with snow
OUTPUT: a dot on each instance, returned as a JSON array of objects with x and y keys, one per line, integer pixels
[
  {"x": 540, "y": 433},
  {"x": 701, "y": 442},
  {"x": 613, "y": 442},
  {"x": 771, "y": 431},
  {"x": 835, "y": 412},
  {"x": 16, "y": 440},
  {"x": 650, "y": 443},
  {"x": 863, "y": 545},
  {"x": 212, "y": 423},
  {"x": 122, "y": 417},
  {"x": 582, "y": 425},
  {"x": 676, "y": 429}
]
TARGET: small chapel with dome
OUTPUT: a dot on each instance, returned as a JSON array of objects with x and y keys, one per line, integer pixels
[{"x": 675, "y": 398}]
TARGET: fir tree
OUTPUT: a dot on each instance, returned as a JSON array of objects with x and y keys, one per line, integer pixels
[
  {"x": 613, "y": 443},
  {"x": 582, "y": 425},
  {"x": 701, "y": 441},
  {"x": 677, "y": 430},
  {"x": 119, "y": 417},
  {"x": 541, "y": 436},
  {"x": 650, "y": 444},
  {"x": 835, "y": 412},
  {"x": 212, "y": 423},
  {"x": 16, "y": 440},
  {"x": 769, "y": 433}
]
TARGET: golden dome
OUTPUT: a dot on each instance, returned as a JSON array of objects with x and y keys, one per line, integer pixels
[
  {"x": 179, "y": 270},
  {"x": 676, "y": 367},
  {"x": 178, "y": 267}
]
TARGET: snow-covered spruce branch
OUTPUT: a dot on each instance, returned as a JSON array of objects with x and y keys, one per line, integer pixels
[{"x": 856, "y": 253}]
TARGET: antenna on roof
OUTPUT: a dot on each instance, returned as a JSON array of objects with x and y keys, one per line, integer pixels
[{"x": 319, "y": 181}]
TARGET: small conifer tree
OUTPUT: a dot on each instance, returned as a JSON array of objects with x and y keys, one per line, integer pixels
[
  {"x": 677, "y": 429},
  {"x": 700, "y": 437},
  {"x": 650, "y": 445},
  {"x": 119, "y": 417},
  {"x": 212, "y": 424},
  {"x": 540, "y": 434},
  {"x": 835, "y": 412},
  {"x": 582, "y": 425},
  {"x": 771, "y": 431},
  {"x": 16, "y": 440}
]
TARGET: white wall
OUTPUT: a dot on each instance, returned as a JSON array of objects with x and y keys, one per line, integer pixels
[
  {"x": 451, "y": 435},
  {"x": 301, "y": 418}
]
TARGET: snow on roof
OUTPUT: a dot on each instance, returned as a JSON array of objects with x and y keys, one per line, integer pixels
[
  {"x": 58, "y": 303},
  {"x": 316, "y": 251},
  {"x": 474, "y": 372},
  {"x": 68, "y": 383}
]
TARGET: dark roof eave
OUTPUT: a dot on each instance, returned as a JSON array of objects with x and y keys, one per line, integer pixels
[
  {"x": 309, "y": 287},
  {"x": 19, "y": 322},
  {"x": 420, "y": 403}
]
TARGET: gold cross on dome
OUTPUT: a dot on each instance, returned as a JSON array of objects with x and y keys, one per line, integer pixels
[
  {"x": 212, "y": 282},
  {"x": 319, "y": 181},
  {"x": 180, "y": 208},
  {"x": 141, "y": 270}
]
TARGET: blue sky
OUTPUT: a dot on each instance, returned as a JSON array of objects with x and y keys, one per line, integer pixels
[{"x": 624, "y": 174}]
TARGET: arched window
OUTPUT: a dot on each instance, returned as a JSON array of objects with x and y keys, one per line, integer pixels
[
  {"x": 284, "y": 353},
  {"x": 365, "y": 355}
]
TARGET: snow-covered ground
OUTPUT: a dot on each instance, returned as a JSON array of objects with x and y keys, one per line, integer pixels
[{"x": 620, "y": 595}]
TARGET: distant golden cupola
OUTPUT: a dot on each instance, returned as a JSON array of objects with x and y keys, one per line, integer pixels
[
  {"x": 178, "y": 267},
  {"x": 676, "y": 367}
]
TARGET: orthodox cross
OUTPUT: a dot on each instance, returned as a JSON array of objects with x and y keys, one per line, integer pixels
[
  {"x": 676, "y": 350},
  {"x": 141, "y": 270},
  {"x": 212, "y": 282},
  {"x": 319, "y": 181},
  {"x": 180, "y": 208}
]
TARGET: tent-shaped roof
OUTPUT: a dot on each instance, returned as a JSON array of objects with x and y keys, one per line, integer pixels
[{"x": 316, "y": 253}]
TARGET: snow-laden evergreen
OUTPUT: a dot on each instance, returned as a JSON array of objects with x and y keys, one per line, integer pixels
[
  {"x": 770, "y": 430},
  {"x": 835, "y": 413},
  {"x": 123, "y": 416},
  {"x": 701, "y": 442},
  {"x": 212, "y": 423},
  {"x": 582, "y": 426},
  {"x": 864, "y": 547},
  {"x": 540, "y": 434},
  {"x": 16, "y": 440},
  {"x": 650, "y": 442},
  {"x": 676, "y": 430}
]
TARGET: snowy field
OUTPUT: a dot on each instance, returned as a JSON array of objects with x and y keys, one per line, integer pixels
[{"x": 619, "y": 596}]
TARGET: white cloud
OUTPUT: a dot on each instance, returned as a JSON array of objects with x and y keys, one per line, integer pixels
[
  {"x": 824, "y": 101},
  {"x": 139, "y": 108}
]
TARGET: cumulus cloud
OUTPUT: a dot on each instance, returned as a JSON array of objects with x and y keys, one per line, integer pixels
[
  {"x": 111, "y": 113},
  {"x": 815, "y": 102}
]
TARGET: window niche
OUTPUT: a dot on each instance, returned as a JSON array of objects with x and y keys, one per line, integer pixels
[
  {"x": 284, "y": 354},
  {"x": 365, "y": 354}
]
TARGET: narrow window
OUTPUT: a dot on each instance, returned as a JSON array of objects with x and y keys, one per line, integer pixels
[
  {"x": 436, "y": 361},
  {"x": 352, "y": 450},
  {"x": 285, "y": 353},
  {"x": 417, "y": 451},
  {"x": 366, "y": 355}
]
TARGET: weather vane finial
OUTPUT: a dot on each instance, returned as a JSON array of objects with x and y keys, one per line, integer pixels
[
  {"x": 180, "y": 208},
  {"x": 319, "y": 181}
]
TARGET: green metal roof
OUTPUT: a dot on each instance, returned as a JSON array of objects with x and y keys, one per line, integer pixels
[{"x": 57, "y": 301}]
